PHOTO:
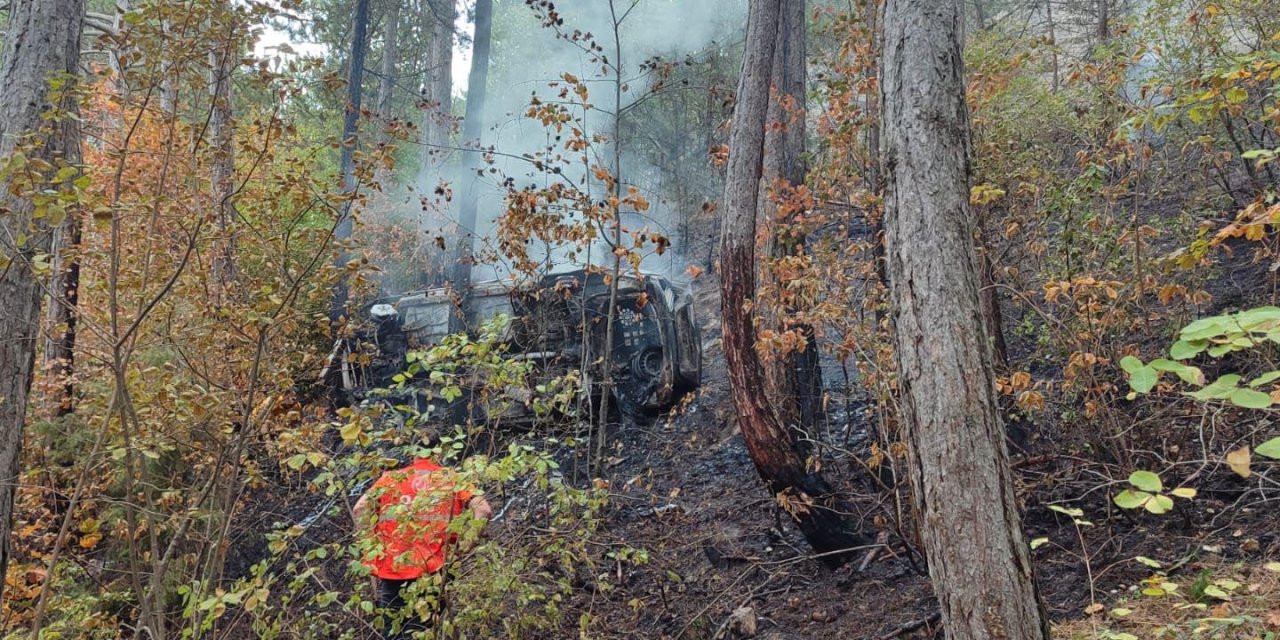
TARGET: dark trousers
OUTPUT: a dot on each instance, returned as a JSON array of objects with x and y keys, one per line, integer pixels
[{"x": 391, "y": 598}]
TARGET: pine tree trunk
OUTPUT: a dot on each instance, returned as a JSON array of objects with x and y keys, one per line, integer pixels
[
  {"x": 804, "y": 495},
  {"x": 472, "y": 129},
  {"x": 42, "y": 43},
  {"x": 962, "y": 486}
]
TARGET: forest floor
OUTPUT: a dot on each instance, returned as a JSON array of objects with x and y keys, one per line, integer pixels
[
  {"x": 688, "y": 493},
  {"x": 722, "y": 558}
]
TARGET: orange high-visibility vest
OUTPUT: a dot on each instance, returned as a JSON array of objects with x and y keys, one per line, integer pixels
[{"x": 415, "y": 506}]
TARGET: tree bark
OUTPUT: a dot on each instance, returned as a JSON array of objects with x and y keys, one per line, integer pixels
[
  {"x": 437, "y": 91},
  {"x": 222, "y": 62},
  {"x": 472, "y": 130},
  {"x": 962, "y": 486},
  {"x": 42, "y": 43},
  {"x": 804, "y": 494},
  {"x": 794, "y": 379},
  {"x": 390, "y": 58},
  {"x": 1104, "y": 21},
  {"x": 347, "y": 165}
]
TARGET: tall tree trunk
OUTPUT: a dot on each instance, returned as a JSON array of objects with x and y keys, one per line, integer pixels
[
  {"x": 437, "y": 91},
  {"x": 794, "y": 379},
  {"x": 437, "y": 125},
  {"x": 390, "y": 58},
  {"x": 1104, "y": 21},
  {"x": 42, "y": 43},
  {"x": 980, "y": 13},
  {"x": 347, "y": 165},
  {"x": 472, "y": 162},
  {"x": 64, "y": 301},
  {"x": 804, "y": 495},
  {"x": 962, "y": 487},
  {"x": 222, "y": 60}
]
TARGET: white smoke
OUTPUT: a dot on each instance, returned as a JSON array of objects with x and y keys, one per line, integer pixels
[{"x": 528, "y": 56}]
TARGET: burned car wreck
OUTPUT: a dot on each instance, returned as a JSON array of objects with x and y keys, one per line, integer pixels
[{"x": 655, "y": 358}]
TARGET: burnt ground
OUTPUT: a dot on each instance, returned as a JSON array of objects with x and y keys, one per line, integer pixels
[{"x": 684, "y": 489}]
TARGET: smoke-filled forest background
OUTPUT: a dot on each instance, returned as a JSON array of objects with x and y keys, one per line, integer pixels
[{"x": 985, "y": 297}]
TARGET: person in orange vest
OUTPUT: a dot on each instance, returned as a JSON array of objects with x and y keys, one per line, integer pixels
[{"x": 405, "y": 518}]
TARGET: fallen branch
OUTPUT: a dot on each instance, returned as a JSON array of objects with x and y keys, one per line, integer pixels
[{"x": 911, "y": 626}]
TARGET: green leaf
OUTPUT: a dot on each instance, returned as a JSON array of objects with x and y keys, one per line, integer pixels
[
  {"x": 1219, "y": 389},
  {"x": 1187, "y": 349},
  {"x": 1130, "y": 499},
  {"x": 1184, "y": 492},
  {"x": 1121, "y": 612},
  {"x": 1149, "y": 562},
  {"x": 1273, "y": 567},
  {"x": 1145, "y": 480},
  {"x": 1219, "y": 350},
  {"x": 297, "y": 461},
  {"x": 1190, "y": 375},
  {"x": 1130, "y": 364},
  {"x": 1038, "y": 542},
  {"x": 1206, "y": 328},
  {"x": 1270, "y": 376},
  {"x": 1250, "y": 399},
  {"x": 1215, "y": 591},
  {"x": 1159, "y": 504},
  {"x": 1236, "y": 95},
  {"x": 1269, "y": 449},
  {"x": 1143, "y": 379}
]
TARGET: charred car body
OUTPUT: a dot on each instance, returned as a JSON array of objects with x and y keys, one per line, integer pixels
[{"x": 656, "y": 355}]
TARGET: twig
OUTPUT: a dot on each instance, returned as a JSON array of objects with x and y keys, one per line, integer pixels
[{"x": 911, "y": 626}]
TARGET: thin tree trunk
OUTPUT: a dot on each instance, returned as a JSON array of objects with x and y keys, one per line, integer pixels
[
  {"x": 962, "y": 486},
  {"x": 347, "y": 165},
  {"x": 472, "y": 130},
  {"x": 64, "y": 301},
  {"x": 43, "y": 42},
  {"x": 1053, "y": 42},
  {"x": 611, "y": 315},
  {"x": 221, "y": 128},
  {"x": 990, "y": 297},
  {"x": 390, "y": 58},
  {"x": 804, "y": 495},
  {"x": 1104, "y": 21},
  {"x": 794, "y": 379}
]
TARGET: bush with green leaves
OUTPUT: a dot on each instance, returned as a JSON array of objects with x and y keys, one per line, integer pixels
[
  {"x": 1252, "y": 330},
  {"x": 513, "y": 579}
]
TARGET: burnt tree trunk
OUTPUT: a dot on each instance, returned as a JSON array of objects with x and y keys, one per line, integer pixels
[
  {"x": 805, "y": 496},
  {"x": 962, "y": 486},
  {"x": 473, "y": 161},
  {"x": 794, "y": 379},
  {"x": 42, "y": 43}
]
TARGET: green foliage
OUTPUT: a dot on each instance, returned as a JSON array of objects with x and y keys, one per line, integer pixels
[{"x": 1146, "y": 492}]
